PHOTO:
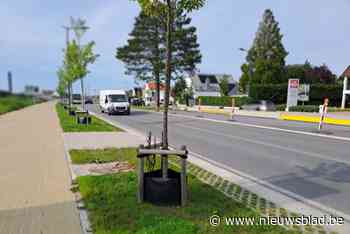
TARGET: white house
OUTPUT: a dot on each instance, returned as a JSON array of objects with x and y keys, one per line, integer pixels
[
  {"x": 208, "y": 84},
  {"x": 150, "y": 93}
]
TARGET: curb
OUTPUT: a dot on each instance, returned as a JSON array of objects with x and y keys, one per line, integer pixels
[{"x": 314, "y": 119}]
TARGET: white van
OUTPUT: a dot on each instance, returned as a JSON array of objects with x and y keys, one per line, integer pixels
[{"x": 114, "y": 101}]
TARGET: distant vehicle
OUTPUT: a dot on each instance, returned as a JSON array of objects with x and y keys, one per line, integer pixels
[
  {"x": 88, "y": 100},
  {"x": 76, "y": 98},
  {"x": 137, "y": 102},
  {"x": 261, "y": 105},
  {"x": 114, "y": 101}
]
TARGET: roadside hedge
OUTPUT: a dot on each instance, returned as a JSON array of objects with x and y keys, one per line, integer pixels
[
  {"x": 309, "y": 108},
  {"x": 278, "y": 93},
  {"x": 4, "y": 93},
  {"x": 223, "y": 101}
]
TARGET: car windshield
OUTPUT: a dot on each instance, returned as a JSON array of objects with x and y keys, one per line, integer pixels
[
  {"x": 118, "y": 98},
  {"x": 76, "y": 96}
]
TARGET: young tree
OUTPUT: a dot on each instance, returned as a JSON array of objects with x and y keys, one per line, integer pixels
[
  {"x": 62, "y": 86},
  {"x": 157, "y": 8},
  {"x": 224, "y": 86},
  {"x": 145, "y": 54},
  {"x": 77, "y": 61},
  {"x": 267, "y": 55},
  {"x": 79, "y": 27}
]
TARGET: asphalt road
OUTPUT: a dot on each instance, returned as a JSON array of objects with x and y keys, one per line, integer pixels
[{"x": 314, "y": 167}]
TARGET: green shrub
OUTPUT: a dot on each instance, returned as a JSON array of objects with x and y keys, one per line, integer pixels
[
  {"x": 309, "y": 108},
  {"x": 305, "y": 108},
  {"x": 223, "y": 101},
  {"x": 277, "y": 93},
  {"x": 319, "y": 91},
  {"x": 15, "y": 102},
  {"x": 281, "y": 107}
]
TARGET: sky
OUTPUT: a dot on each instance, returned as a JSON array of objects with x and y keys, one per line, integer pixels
[{"x": 32, "y": 37}]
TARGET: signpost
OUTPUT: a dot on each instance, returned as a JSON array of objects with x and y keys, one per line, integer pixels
[
  {"x": 292, "y": 98},
  {"x": 233, "y": 109},
  {"x": 303, "y": 92},
  {"x": 323, "y": 112},
  {"x": 346, "y": 91}
]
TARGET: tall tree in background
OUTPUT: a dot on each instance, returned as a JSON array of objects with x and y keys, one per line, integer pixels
[
  {"x": 311, "y": 74},
  {"x": 267, "y": 55},
  {"x": 145, "y": 53}
]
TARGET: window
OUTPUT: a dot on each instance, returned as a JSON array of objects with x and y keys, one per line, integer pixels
[{"x": 117, "y": 98}]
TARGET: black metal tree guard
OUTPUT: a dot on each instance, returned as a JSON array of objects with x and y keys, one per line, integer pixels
[
  {"x": 83, "y": 117},
  {"x": 163, "y": 186}
]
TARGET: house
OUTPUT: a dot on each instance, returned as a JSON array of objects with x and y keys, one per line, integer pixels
[
  {"x": 150, "y": 93},
  {"x": 208, "y": 84}
]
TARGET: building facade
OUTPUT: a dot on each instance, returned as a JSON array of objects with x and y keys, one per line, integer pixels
[{"x": 208, "y": 84}]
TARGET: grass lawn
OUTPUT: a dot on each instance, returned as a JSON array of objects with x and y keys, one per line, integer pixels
[
  {"x": 69, "y": 123},
  {"x": 14, "y": 102},
  {"x": 103, "y": 155},
  {"x": 112, "y": 204}
]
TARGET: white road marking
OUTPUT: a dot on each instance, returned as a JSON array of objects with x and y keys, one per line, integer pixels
[
  {"x": 311, "y": 154},
  {"x": 263, "y": 127}
]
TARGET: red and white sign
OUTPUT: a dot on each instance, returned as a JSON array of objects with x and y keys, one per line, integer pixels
[
  {"x": 292, "y": 97},
  {"x": 293, "y": 83}
]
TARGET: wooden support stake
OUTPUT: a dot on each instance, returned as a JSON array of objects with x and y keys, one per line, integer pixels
[
  {"x": 183, "y": 179},
  {"x": 141, "y": 178}
]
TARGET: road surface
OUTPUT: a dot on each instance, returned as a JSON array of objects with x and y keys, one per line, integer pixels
[{"x": 312, "y": 166}]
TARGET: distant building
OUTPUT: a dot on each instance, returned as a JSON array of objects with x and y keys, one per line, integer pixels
[
  {"x": 9, "y": 80},
  {"x": 208, "y": 84},
  {"x": 137, "y": 92},
  {"x": 31, "y": 90},
  {"x": 150, "y": 93}
]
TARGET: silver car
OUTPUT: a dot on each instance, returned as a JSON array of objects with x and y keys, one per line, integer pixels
[{"x": 261, "y": 105}]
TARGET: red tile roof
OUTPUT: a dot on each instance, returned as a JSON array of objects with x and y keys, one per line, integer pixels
[
  {"x": 153, "y": 86},
  {"x": 346, "y": 73}
]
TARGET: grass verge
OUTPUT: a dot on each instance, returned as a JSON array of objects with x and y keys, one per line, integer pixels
[
  {"x": 112, "y": 204},
  {"x": 103, "y": 155},
  {"x": 69, "y": 123},
  {"x": 15, "y": 102}
]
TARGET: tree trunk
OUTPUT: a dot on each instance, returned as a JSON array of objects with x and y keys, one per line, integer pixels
[
  {"x": 82, "y": 94},
  {"x": 168, "y": 74},
  {"x": 157, "y": 67},
  {"x": 157, "y": 89},
  {"x": 70, "y": 95}
]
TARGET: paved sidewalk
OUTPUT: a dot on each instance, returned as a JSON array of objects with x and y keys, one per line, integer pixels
[
  {"x": 34, "y": 176},
  {"x": 101, "y": 140}
]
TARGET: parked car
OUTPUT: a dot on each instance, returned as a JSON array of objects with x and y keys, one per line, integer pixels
[
  {"x": 114, "y": 101},
  {"x": 137, "y": 102},
  {"x": 262, "y": 105},
  {"x": 88, "y": 100},
  {"x": 76, "y": 98}
]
